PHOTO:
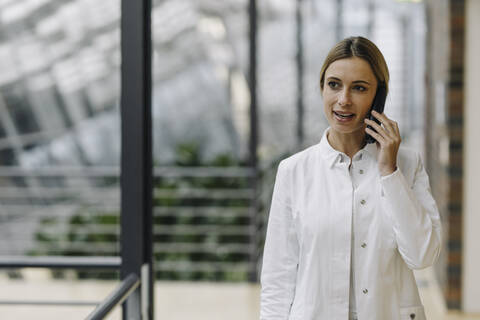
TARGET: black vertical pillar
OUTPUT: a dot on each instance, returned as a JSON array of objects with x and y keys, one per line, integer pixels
[
  {"x": 254, "y": 135},
  {"x": 371, "y": 6},
  {"x": 136, "y": 156},
  {"x": 252, "y": 77},
  {"x": 299, "y": 60},
  {"x": 339, "y": 21}
]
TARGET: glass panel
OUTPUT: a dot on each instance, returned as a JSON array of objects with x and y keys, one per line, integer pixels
[
  {"x": 398, "y": 29},
  {"x": 60, "y": 128},
  {"x": 200, "y": 118},
  {"x": 320, "y": 25},
  {"x": 277, "y": 77}
]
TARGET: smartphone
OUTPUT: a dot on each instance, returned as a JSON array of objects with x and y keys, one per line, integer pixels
[{"x": 377, "y": 105}]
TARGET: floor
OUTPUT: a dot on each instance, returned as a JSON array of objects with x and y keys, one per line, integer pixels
[{"x": 173, "y": 300}]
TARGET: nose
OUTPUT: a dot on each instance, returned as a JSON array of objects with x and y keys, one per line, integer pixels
[{"x": 344, "y": 98}]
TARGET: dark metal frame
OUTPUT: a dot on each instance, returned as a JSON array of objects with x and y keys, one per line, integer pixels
[
  {"x": 128, "y": 285},
  {"x": 300, "y": 72},
  {"x": 136, "y": 156},
  {"x": 339, "y": 21},
  {"x": 252, "y": 82},
  {"x": 53, "y": 262},
  {"x": 136, "y": 236},
  {"x": 254, "y": 138}
]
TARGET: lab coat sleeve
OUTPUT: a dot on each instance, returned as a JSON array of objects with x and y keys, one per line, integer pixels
[
  {"x": 416, "y": 220},
  {"x": 280, "y": 257}
]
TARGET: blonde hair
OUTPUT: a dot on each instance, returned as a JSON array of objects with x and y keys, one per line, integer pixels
[{"x": 359, "y": 47}]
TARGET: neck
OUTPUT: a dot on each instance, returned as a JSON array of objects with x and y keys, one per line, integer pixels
[{"x": 348, "y": 143}]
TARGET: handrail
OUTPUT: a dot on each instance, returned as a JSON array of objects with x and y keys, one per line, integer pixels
[
  {"x": 59, "y": 262},
  {"x": 184, "y": 217},
  {"x": 114, "y": 171},
  {"x": 56, "y": 303},
  {"x": 129, "y": 284}
]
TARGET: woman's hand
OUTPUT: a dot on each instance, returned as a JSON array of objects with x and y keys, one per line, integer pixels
[{"x": 388, "y": 137}]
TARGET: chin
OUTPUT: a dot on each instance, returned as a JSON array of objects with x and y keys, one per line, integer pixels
[{"x": 347, "y": 129}]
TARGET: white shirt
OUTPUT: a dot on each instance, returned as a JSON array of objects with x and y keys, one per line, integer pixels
[{"x": 318, "y": 201}]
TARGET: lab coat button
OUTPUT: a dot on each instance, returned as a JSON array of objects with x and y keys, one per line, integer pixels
[
  {"x": 363, "y": 201},
  {"x": 365, "y": 291},
  {"x": 363, "y": 245},
  {"x": 360, "y": 171},
  {"x": 412, "y": 316}
]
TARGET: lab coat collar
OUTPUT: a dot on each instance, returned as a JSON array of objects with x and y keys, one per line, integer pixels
[{"x": 332, "y": 156}]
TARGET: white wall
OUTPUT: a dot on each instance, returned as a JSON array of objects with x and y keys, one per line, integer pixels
[{"x": 471, "y": 173}]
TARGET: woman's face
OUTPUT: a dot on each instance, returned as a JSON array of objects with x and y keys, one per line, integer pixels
[{"x": 348, "y": 93}]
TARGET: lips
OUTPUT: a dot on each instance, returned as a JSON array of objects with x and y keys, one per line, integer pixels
[{"x": 343, "y": 116}]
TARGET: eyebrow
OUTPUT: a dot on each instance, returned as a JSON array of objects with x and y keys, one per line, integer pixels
[{"x": 356, "y": 81}]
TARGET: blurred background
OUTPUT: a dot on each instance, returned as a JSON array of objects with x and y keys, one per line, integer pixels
[{"x": 60, "y": 141}]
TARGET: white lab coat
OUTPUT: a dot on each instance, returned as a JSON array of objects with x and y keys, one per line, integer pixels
[{"x": 319, "y": 199}]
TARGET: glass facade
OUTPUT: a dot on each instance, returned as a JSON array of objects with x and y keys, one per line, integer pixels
[{"x": 60, "y": 126}]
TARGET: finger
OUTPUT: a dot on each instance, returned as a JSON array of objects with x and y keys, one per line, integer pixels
[
  {"x": 380, "y": 116},
  {"x": 387, "y": 123},
  {"x": 380, "y": 130},
  {"x": 395, "y": 126},
  {"x": 375, "y": 135},
  {"x": 394, "y": 130},
  {"x": 390, "y": 125}
]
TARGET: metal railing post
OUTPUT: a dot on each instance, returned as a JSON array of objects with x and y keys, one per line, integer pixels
[
  {"x": 122, "y": 292},
  {"x": 300, "y": 69},
  {"x": 136, "y": 155},
  {"x": 254, "y": 135}
]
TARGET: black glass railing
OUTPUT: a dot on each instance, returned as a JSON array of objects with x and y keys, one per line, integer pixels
[{"x": 117, "y": 297}]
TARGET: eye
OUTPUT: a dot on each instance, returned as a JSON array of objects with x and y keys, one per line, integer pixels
[
  {"x": 333, "y": 84},
  {"x": 359, "y": 88}
]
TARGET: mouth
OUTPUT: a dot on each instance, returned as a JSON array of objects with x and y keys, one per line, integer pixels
[{"x": 343, "y": 116}]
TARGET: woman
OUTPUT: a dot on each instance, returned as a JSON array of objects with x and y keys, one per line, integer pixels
[{"x": 349, "y": 221}]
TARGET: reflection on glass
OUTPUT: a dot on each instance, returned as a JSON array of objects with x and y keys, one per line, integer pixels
[{"x": 59, "y": 128}]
